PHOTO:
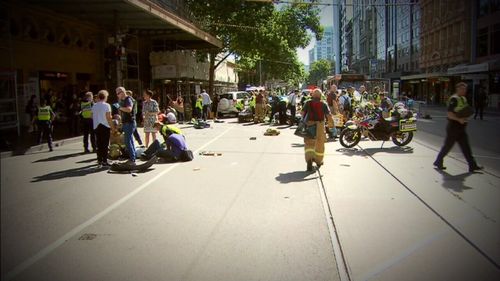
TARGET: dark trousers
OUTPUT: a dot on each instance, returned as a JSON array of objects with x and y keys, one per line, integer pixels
[
  {"x": 293, "y": 111},
  {"x": 156, "y": 149},
  {"x": 88, "y": 129},
  {"x": 102, "y": 134},
  {"x": 455, "y": 132},
  {"x": 137, "y": 137},
  {"x": 205, "y": 112},
  {"x": 479, "y": 109},
  {"x": 45, "y": 129}
]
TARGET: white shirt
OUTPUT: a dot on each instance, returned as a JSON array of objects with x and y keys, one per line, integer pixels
[
  {"x": 206, "y": 98},
  {"x": 99, "y": 114},
  {"x": 171, "y": 119}
]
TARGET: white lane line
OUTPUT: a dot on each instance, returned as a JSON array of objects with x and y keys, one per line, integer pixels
[{"x": 47, "y": 250}]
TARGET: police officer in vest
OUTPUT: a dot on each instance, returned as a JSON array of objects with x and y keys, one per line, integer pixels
[
  {"x": 458, "y": 112},
  {"x": 88, "y": 127},
  {"x": 45, "y": 117}
]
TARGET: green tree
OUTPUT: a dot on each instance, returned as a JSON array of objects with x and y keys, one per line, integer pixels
[
  {"x": 262, "y": 37},
  {"x": 319, "y": 71}
]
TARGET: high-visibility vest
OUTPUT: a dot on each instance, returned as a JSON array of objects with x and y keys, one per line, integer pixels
[
  {"x": 44, "y": 113},
  {"x": 461, "y": 102},
  {"x": 253, "y": 101},
  {"x": 170, "y": 128},
  {"x": 86, "y": 109},
  {"x": 199, "y": 104}
]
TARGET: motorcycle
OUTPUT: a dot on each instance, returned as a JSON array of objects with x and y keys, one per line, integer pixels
[{"x": 398, "y": 128}]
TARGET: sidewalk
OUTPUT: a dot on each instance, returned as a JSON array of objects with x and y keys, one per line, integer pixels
[{"x": 440, "y": 110}]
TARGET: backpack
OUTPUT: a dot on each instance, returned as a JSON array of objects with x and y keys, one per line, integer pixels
[{"x": 346, "y": 103}]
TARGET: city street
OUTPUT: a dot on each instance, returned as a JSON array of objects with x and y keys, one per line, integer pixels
[{"x": 253, "y": 213}]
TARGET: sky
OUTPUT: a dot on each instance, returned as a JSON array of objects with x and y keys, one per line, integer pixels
[{"x": 326, "y": 16}]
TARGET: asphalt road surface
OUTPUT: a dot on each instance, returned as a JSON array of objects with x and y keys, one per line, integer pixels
[{"x": 253, "y": 213}]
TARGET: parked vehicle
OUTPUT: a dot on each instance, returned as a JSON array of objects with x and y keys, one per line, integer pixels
[
  {"x": 397, "y": 128},
  {"x": 228, "y": 102}
]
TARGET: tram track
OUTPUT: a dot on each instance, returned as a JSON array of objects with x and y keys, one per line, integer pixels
[{"x": 433, "y": 210}]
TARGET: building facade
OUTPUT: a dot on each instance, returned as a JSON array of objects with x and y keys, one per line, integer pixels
[
  {"x": 346, "y": 43},
  {"x": 323, "y": 49},
  {"x": 64, "y": 48}
]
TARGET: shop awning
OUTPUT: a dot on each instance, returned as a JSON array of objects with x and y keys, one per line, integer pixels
[
  {"x": 151, "y": 17},
  {"x": 468, "y": 68},
  {"x": 424, "y": 75}
]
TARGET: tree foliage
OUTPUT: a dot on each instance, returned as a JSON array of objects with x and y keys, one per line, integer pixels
[
  {"x": 319, "y": 71},
  {"x": 261, "y": 35}
]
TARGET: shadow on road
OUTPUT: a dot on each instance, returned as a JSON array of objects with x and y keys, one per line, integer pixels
[
  {"x": 372, "y": 151},
  {"x": 76, "y": 172},
  {"x": 454, "y": 182},
  {"x": 60, "y": 157},
  {"x": 297, "y": 176}
]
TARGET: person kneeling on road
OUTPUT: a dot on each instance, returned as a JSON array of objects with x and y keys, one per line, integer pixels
[{"x": 174, "y": 149}]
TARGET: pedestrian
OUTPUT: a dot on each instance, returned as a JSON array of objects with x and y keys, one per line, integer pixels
[
  {"x": 128, "y": 110},
  {"x": 31, "y": 109},
  {"x": 179, "y": 107},
  {"x": 333, "y": 104},
  {"x": 150, "y": 110},
  {"x": 87, "y": 123},
  {"x": 458, "y": 112},
  {"x": 292, "y": 105},
  {"x": 74, "y": 116},
  {"x": 345, "y": 105},
  {"x": 215, "y": 104},
  {"x": 260, "y": 104},
  {"x": 45, "y": 118},
  {"x": 275, "y": 103},
  {"x": 103, "y": 125},
  {"x": 198, "y": 107},
  {"x": 385, "y": 104},
  {"x": 205, "y": 102},
  {"x": 480, "y": 101},
  {"x": 315, "y": 112},
  {"x": 137, "y": 136}
]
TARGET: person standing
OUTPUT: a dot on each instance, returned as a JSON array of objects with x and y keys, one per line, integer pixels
[
  {"x": 150, "y": 110},
  {"x": 198, "y": 107},
  {"x": 102, "y": 124},
  {"x": 260, "y": 105},
  {"x": 215, "y": 104},
  {"x": 128, "y": 111},
  {"x": 480, "y": 101},
  {"x": 179, "y": 107},
  {"x": 292, "y": 105},
  {"x": 205, "y": 102},
  {"x": 45, "y": 117},
  {"x": 333, "y": 105},
  {"x": 455, "y": 130},
  {"x": 315, "y": 112},
  {"x": 87, "y": 123}
]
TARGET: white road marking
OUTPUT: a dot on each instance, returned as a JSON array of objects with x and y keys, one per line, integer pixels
[{"x": 54, "y": 245}]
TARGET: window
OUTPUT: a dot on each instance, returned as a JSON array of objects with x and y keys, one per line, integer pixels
[
  {"x": 482, "y": 42},
  {"x": 495, "y": 39}
]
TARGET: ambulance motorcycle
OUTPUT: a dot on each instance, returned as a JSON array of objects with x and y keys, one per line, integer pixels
[{"x": 371, "y": 124}]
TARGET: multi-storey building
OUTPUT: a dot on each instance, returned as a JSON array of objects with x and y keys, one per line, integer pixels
[
  {"x": 445, "y": 42},
  {"x": 323, "y": 49},
  {"x": 346, "y": 44}
]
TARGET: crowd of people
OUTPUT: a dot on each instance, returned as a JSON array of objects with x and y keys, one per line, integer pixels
[{"x": 104, "y": 124}]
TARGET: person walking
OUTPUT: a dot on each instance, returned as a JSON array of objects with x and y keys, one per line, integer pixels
[
  {"x": 480, "y": 101},
  {"x": 44, "y": 118},
  {"x": 205, "y": 102},
  {"x": 458, "y": 112},
  {"x": 215, "y": 105},
  {"x": 315, "y": 112},
  {"x": 102, "y": 124},
  {"x": 292, "y": 105},
  {"x": 150, "y": 110},
  {"x": 128, "y": 111},
  {"x": 87, "y": 123}
]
